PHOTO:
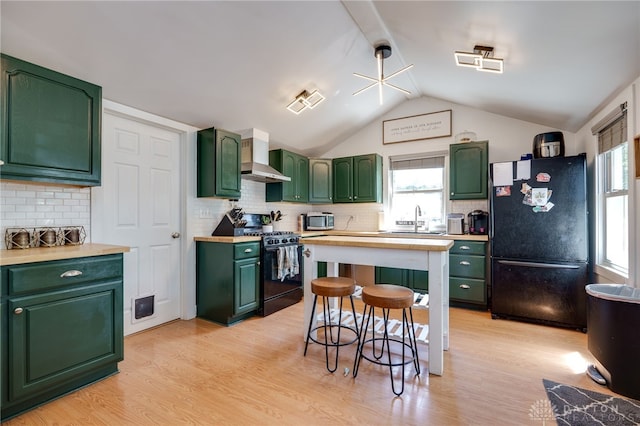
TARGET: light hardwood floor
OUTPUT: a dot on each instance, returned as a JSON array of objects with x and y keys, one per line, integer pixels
[{"x": 253, "y": 373}]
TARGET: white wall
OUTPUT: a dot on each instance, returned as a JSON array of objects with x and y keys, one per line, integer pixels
[{"x": 584, "y": 138}]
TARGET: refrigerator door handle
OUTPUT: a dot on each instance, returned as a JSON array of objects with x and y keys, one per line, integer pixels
[{"x": 538, "y": 265}]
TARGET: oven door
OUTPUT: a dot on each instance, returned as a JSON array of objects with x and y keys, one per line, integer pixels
[{"x": 280, "y": 286}]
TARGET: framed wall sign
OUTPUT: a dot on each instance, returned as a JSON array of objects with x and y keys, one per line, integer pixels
[{"x": 417, "y": 127}]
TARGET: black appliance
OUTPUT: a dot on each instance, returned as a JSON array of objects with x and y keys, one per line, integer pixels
[
  {"x": 281, "y": 282},
  {"x": 478, "y": 222},
  {"x": 550, "y": 144},
  {"x": 540, "y": 243}
]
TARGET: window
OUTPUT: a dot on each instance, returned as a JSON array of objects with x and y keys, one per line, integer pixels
[
  {"x": 613, "y": 198},
  {"x": 417, "y": 181}
]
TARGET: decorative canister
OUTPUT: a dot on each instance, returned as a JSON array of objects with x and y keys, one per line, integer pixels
[
  {"x": 47, "y": 237},
  {"x": 17, "y": 238},
  {"x": 71, "y": 236}
]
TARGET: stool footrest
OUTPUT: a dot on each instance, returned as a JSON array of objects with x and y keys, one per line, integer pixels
[
  {"x": 394, "y": 327},
  {"x": 420, "y": 300}
]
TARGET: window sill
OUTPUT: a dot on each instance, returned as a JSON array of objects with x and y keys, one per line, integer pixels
[{"x": 610, "y": 275}]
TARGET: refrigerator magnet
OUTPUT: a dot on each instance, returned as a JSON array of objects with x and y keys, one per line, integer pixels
[
  {"x": 539, "y": 196},
  {"x": 503, "y": 191},
  {"x": 543, "y": 177}
]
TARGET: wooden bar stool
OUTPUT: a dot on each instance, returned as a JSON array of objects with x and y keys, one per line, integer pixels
[
  {"x": 326, "y": 288},
  {"x": 387, "y": 297}
]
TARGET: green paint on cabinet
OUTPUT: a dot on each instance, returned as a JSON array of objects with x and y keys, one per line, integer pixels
[
  {"x": 51, "y": 125},
  {"x": 59, "y": 333},
  {"x": 218, "y": 164},
  {"x": 357, "y": 179},
  {"x": 294, "y": 166},
  {"x": 469, "y": 170}
]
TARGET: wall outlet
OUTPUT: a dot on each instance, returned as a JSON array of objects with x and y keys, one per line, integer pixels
[{"x": 206, "y": 214}]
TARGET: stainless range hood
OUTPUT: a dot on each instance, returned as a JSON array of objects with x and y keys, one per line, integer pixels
[{"x": 255, "y": 158}]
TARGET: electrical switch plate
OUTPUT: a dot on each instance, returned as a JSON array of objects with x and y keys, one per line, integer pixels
[{"x": 206, "y": 214}]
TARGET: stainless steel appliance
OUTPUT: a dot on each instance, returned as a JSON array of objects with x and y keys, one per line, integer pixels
[
  {"x": 319, "y": 221},
  {"x": 281, "y": 266},
  {"x": 455, "y": 223},
  {"x": 540, "y": 244}
]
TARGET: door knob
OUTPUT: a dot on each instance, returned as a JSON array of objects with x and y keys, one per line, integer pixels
[
  {"x": 175, "y": 235},
  {"x": 18, "y": 311}
]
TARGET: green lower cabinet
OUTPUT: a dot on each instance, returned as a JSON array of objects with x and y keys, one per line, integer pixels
[
  {"x": 467, "y": 274},
  {"x": 227, "y": 281},
  {"x": 65, "y": 337},
  {"x": 417, "y": 281}
]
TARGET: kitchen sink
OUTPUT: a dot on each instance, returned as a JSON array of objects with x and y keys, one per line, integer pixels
[{"x": 414, "y": 233}]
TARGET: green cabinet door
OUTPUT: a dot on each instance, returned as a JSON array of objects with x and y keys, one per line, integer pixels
[
  {"x": 320, "y": 181},
  {"x": 61, "y": 328},
  {"x": 367, "y": 178},
  {"x": 417, "y": 281},
  {"x": 50, "y": 125},
  {"x": 227, "y": 280},
  {"x": 294, "y": 166},
  {"x": 246, "y": 288},
  {"x": 56, "y": 336},
  {"x": 218, "y": 164},
  {"x": 357, "y": 179},
  {"x": 469, "y": 170},
  {"x": 343, "y": 180}
]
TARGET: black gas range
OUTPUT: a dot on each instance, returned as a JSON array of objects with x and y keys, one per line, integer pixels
[{"x": 281, "y": 266}]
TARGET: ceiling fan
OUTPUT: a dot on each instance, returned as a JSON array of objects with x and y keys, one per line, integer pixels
[{"x": 382, "y": 52}]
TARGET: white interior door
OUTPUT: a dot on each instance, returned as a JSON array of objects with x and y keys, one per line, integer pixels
[{"x": 138, "y": 205}]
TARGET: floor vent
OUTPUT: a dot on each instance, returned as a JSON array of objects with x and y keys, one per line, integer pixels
[{"x": 143, "y": 307}]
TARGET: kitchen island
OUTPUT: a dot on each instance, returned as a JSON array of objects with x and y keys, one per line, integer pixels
[{"x": 419, "y": 254}]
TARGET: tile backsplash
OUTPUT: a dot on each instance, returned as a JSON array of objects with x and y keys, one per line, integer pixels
[{"x": 28, "y": 205}]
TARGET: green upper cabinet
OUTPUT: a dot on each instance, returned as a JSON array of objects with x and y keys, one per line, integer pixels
[
  {"x": 357, "y": 179},
  {"x": 51, "y": 125},
  {"x": 294, "y": 166},
  {"x": 469, "y": 163},
  {"x": 218, "y": 164},
  {"x": 320, "y": 181}
]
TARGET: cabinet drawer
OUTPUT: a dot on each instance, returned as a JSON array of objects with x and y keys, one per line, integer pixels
[
  {"x": 466, "y": 266},
  {"x": 46, "y": 276},
  {"x": 246, "y": 250},
  {"x": 467, "y": 290},
  {"x": 468, "y": 247}
]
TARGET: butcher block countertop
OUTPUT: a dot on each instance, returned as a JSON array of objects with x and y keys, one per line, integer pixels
[
  {"x": 389, "y": 234},
  {"x": 219, "y": 239},
  {"x": 43, "y": 254},
  {"x": 426, "y": 244}
]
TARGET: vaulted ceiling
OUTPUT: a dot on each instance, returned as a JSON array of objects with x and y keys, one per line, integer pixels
[{"x": 237, "y": 64}]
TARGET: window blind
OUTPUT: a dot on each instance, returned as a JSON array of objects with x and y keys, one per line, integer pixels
[
  {"x": 417, "y": 163},
  {"x": 613, "y": 134}
]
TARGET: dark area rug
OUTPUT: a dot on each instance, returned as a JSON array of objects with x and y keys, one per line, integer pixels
[{"x": 575, "y": 406}]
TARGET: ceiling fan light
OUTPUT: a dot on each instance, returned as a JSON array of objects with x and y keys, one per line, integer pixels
[{"x": 381, "y": 52}]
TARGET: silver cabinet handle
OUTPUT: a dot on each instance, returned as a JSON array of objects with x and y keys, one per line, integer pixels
[
  {"x": 71, "y": 273},
  {"x": 465, "y": 263},
  {"x": 465, "y": 286},
  {"x": 175, "y": 235},
  {"x": 307, "y": 252},
  {"x": 465, "y": 248},
  {"x": 18, "y": 311},
  {"x": 248, "y": 250}
]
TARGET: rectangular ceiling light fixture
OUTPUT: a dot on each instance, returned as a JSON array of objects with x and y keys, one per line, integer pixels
[
  {"x": 481, "y": 59},
  {"x": 305, "y": 100}
]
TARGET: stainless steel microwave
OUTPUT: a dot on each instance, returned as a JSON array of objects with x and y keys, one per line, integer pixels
[{"x": 318, "y": 221}]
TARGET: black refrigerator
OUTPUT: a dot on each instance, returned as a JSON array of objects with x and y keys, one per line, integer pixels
[{"x": 540, "y": 241}]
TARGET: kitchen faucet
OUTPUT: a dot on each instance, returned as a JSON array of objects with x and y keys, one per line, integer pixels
[{"x": 417, "y": 212}]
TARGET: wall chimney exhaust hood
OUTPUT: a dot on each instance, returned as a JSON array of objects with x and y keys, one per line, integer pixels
[{"x": 255, "y": 158}]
